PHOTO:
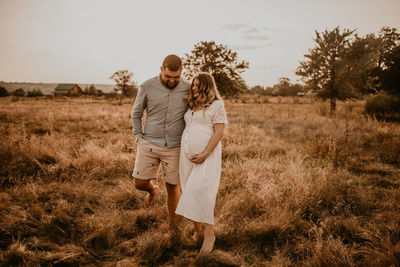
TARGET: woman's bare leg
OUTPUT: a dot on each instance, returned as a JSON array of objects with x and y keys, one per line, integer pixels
[{"x": 209, "y": 238}]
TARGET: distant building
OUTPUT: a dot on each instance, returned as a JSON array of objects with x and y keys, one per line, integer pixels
[
  {"x": 301, "y": 94},
  {"x": 68, "y": 89}
]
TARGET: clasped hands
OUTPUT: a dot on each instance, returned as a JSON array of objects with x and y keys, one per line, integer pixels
[{"x": 199, "y": 158}]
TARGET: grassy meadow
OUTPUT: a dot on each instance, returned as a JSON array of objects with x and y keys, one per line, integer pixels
[{"x": 298, "y": 187}]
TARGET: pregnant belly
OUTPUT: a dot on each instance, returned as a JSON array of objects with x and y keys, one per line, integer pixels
[{"x": 196, "y": 140}]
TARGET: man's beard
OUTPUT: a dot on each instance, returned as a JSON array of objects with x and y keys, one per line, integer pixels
[
  {"x": 166, "y": 84},
  {"x": 171, "y": 86}
]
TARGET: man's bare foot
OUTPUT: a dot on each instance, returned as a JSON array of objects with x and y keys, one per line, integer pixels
[
  {"x": 208, "y": 243},
  {"x": 148, "y": 200}
]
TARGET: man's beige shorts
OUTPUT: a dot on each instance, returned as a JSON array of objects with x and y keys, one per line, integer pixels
[{"x": 149, "y": 157}]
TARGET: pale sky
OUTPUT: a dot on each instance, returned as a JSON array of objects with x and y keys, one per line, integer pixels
[{"x": 85, "y": 41}]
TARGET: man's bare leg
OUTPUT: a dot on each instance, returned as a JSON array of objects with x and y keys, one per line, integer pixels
[
  {"x": 148, "y": 186},
  {"x": 209, "y": 238},
  {"x": 173, "y": 195}
]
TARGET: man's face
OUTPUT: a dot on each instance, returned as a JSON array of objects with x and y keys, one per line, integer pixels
[{"x": 170, "y": 78}]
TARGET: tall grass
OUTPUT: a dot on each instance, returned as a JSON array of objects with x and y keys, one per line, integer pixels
[{"x": 298, "y": 187}]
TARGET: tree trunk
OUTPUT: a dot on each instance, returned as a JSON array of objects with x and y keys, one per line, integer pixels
[{"x": 333, "y": 105}]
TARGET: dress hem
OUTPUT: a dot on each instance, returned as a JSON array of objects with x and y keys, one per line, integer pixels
[{"x": 193, "y": 219}]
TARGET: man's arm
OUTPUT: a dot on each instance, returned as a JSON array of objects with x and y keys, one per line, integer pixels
[{"x": 137, "y": 113}]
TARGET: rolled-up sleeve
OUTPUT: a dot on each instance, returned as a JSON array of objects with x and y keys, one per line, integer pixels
[{"x": 137, "y": 113}]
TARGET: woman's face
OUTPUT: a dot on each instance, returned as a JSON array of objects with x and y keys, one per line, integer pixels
[{"x": 195, "y": 87}]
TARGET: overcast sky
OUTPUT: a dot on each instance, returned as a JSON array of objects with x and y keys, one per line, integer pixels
[{"x": 85, "y": 41}]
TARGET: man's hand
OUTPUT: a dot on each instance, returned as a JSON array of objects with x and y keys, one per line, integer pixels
[
  {"x": 139, "y": 140},
  {"x": 199, "y": 158}
]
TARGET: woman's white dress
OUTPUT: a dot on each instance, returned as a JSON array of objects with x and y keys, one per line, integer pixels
[{"x": 200, "y": 182}]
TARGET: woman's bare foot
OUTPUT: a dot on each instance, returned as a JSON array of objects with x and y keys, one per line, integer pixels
[
  {"x": 148, "y": 200},
  {"x": 209, "y": 239},
  {"x": 208, "y": 244}
]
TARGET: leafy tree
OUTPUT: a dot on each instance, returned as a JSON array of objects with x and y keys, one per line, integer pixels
[
  {"x": 35, "y": 92},
  {"x": 125, "y": 85},
  {"x": 3, "y": 92},
  {"x": 328, "y": 70},
  {"x": 387, "y": 71},
  {"x": 362, "y": 58},
  {"x": 284, "y": 88},
  {"x": 386, "y": 103},
  {"x": 100, "y": 92},
  {"x": 390, "y": 76},
  {"x": 284, "y": 81},
  {"x": 19, "y": 92},
  {"x": 221, "y": 62},
  {"x": 91, "y": 90},
  {"x": 259, "y": 90},
  {"x": 388, "y": 39},
  {"x": 132, "y": 90},
  {"x": 385, "y": 76}
]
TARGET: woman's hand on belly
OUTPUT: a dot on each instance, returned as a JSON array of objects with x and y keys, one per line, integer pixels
[{"x": 199, "y": 158}]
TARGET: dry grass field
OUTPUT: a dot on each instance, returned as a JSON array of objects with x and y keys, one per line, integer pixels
[{"x": 298, "y": 188}]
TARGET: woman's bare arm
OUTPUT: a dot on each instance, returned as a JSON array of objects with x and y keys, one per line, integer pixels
[{"x": 214, "y": 140}]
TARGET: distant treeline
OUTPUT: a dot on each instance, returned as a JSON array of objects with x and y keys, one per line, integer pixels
[
  {"x": 48, "y": 88},
  {"x": 283, "y": 88},
  {"x": 20, "y": 92}
]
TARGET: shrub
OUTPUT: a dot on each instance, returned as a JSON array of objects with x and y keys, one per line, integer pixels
[
  {"x": 3, "y": 92},
  {"x": 383, "y": 106},
  {"x": 35, "y": 92},
  {"x": 19, "y": 92}
]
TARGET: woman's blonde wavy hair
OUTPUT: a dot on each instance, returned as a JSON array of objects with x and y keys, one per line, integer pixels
[{"x": 208, "y": 92}]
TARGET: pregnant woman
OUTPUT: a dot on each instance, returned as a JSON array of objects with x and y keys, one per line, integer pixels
[{"x": 200, "y": 157}]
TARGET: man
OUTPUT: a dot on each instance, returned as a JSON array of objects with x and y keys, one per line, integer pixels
[{"x": 163, "y": 98}]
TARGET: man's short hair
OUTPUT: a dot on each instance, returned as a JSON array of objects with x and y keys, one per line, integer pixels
[{"x": 172, "y": 62}]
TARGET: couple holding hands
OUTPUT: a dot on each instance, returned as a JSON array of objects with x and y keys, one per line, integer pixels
[{"x": 180, "y": 135}]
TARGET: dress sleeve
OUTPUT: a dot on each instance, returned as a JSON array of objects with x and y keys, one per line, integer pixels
[{"x": 218, "y": 114}]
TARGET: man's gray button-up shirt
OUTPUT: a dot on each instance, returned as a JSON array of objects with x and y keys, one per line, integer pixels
[{"x": 165, "y": 108}]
